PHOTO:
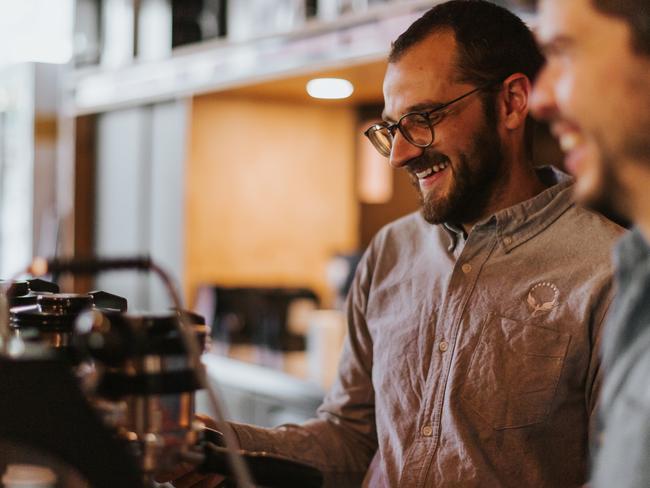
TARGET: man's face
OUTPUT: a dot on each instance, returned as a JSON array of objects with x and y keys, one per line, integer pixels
[
  {"x": 459, "y": 173},
  {"x": 596, "y": 92}
]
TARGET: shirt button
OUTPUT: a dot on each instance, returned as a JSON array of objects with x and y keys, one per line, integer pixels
[
  {"x": 466, "y": 268},
  {"x": 443, "y": 346},
  {"x": 427, "y": 431},
  {"x": 507, "y": 241}
]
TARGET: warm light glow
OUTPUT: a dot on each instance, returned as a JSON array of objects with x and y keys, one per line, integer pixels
[
  {"x": 329, "y": 88},
  {"x": 375, "y": 181},
  {"x": 38, "y": 267}
]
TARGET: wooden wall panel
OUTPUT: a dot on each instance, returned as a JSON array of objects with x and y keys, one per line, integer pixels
[
  {"x": 270, "y": 192},
  {"x": 84, "y": 197}
]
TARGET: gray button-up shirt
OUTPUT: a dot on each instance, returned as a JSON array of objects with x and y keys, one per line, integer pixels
[
  {"x": 470, "y": 361},
  {"x": 623, "y": 459}
]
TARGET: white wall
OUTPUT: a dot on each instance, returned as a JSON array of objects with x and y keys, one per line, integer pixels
[{"x": 139, "y": 201}]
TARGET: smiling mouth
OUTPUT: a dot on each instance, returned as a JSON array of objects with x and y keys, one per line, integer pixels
[
  {"x": 573, "y": 144},
  {"x": 568, "y": 134},
  {"x": 569, "y": 141},
  {"x": 436, "y": 168}
]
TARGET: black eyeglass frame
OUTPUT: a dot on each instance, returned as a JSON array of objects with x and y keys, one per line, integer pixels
[{"x": 391, "y": 128}]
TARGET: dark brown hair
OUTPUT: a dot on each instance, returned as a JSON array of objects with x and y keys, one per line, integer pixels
[
  {"x": 636, "y": 13},
  {"x": 493, "y": 43}
]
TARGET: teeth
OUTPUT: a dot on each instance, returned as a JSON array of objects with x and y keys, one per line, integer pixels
[
  {"x": 569, "y": 141},
  {"x": 429, "y": 171}
]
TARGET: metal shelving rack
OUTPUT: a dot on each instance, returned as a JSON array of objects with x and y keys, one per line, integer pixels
[{"x": 218, "y": 65}]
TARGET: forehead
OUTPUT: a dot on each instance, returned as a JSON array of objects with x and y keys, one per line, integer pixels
[
  {"x": 578, "y": 21},
  {"x": 560, "y": 16},
  {"x": 423, "y": 73}
]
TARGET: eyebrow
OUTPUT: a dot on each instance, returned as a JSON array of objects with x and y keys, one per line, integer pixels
[
  {"x": 556, "y": 44},
  {"x": 418, "y": 107}
]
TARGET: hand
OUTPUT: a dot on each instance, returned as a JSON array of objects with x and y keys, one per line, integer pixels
[{"x": 185, "y": 475}]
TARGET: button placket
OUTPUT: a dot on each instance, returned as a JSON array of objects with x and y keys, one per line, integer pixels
[{"x": 468, "y": 282}]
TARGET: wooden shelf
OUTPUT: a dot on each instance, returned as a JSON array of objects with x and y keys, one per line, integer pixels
[{"x": 348, "y": 43}]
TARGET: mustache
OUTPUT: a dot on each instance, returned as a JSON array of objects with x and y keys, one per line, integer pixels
[{"x": 426, "y": 160}]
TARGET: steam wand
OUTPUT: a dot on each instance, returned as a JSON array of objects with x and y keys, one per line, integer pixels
[{"x": 5, "y": 331}]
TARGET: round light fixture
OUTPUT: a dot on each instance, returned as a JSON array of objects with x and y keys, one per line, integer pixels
[{"x": 329, "y": 88}]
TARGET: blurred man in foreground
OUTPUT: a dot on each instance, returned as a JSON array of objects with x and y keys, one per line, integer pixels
[
  {"x": 595, "y": 89},
  {"x": 473, "y": 326}
]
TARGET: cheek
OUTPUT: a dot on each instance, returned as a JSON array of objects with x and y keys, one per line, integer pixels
[
  {"x": 567, "y": 94},
  {"x": 458, "y": 133},
  {"x": 581, "y": 94}
]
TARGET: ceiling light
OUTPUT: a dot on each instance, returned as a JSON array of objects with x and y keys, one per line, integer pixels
[{"x": 329, "y": 88}]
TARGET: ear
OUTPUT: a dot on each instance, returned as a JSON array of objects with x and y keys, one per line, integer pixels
[{"x": 514, "y": 107}]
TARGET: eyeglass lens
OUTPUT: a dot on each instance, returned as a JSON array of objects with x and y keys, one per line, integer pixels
[
  {"x": 382, "y": 139},
  {"x": 416, "y": 128}
]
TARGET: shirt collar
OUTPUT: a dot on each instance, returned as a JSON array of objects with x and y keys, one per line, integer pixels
[
  {"x": 630, "y": 314},
  {"x": 523, "y": 221},
  {"x": 631, "y": 251},
  {"x": 455, "y": 232}
]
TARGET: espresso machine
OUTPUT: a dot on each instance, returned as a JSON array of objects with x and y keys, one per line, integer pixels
[{"x": 110, "y": 392}]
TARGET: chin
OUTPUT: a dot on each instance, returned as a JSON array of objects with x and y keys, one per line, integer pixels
[
  {"x": 432, "y": 214},
  {"x": 591, "y": 177},
  {"x": 587, "y": 191},
  {"x": 602, "y": 193}
]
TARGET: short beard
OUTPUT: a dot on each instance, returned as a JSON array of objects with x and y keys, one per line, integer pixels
[
  {"x": 610, "y": 199},
  {"x": 476, "y": 177}
]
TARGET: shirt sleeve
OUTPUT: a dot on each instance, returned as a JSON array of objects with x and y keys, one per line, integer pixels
[
  {"x": 595, "y": 371},
  {"x": 623, "y": 457},
  {"x": 342, "y": 439}
]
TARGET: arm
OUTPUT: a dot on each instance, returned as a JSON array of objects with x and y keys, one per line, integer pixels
[
  {"x": 342, "y": 440},
  {"x": 595, "y": 372}
]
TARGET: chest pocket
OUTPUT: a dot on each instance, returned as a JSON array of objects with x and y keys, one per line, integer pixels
[{"x": 514, "y": 372}]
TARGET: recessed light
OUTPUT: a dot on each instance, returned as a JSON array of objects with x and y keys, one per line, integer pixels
[{"x": 329, "y": 88}]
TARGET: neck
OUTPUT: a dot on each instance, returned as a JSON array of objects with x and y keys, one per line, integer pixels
[{"x": 521, "y": 183}]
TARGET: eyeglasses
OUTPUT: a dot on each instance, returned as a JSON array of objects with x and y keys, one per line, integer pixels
[{"x": 416, "y": 127}]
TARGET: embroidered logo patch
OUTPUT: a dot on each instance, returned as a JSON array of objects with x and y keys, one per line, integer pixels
[{"x": 542, "y": 298}]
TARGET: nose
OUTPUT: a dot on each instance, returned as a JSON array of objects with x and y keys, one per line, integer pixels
[
  {"x": 543, "y": 100},
  {"x": 403, "y": 151}
]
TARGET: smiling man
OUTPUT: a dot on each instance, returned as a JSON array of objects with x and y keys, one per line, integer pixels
[
  {"x": 487, "y": 173},
  {"x": 595, "y": 89},
  {"x": 472, "y": 353}
]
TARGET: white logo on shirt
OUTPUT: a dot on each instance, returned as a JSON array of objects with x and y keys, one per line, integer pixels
[{"x": 542, "y": 298}]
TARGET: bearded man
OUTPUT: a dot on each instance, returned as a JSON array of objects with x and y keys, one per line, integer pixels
[{"x": 473, "y": 326}]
